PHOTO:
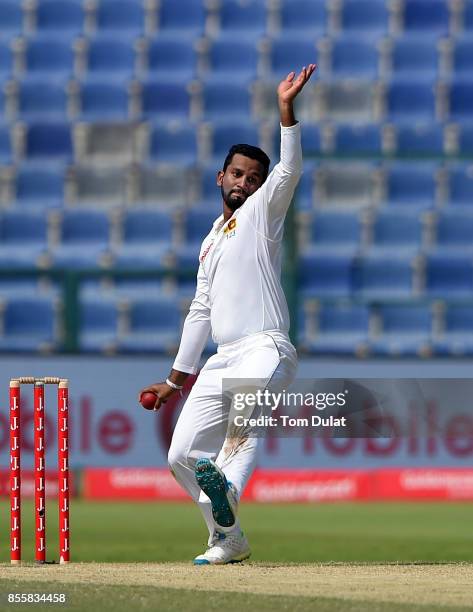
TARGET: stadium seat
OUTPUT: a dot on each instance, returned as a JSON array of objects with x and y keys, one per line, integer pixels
[
  {"x": 454, "y": 231},
  {"x": 342, "y": 330},
  {"x": 40, "y": 185},
  {"x": 51, "y": 140},
  {"x": 419, "y": 140},
  {"x": 238, "y": 58},
  {"x": 303, "y": 16},
  {"x": 468, "y": 15},
  {"x": 121, "y": 16},
  {"x": 99, "y": 324},
  {"x": 247, "y": 18},
  {"x": 346, "y": 184},
  {"x": 335, "y": 232},
  {"x": 197, "y": 225},
  {"x": 102, "y": 100},
  {"x": 449, "y": 275},
  {"x": 143, "y": 225},
  {"x": 348, "y": 100},
  {"x": 358, "y": 140},
  {"x": 460, "y": 184},
  {"x": 426, "y": 17},
  {"x": 465, "y": 139},
  {"x": 412, "y": 185},
  {"x": 24, "y": 236},
  {"x": 107, "y": 185},
  {"x": 40, "y": 99},
  {"x": 173, "y": 142},
  {"x": 354, "y": 58},
  {"x": 6, "y": 149},
  {"x": 406, "y": 330},
  {"x": 57, "y": 16},
  {"x": 225, "y": 134},
  {"x": 49, "y": 57},
  {"x": 29, "y": 324},
  {"x": 227, "y": 100},
  {"x": 171, "y": 57},
  {"x": 287, "y": 53},
  {"x": 167, "y": 185},
  {"x": 172, "y": 19},
  {"x": 154, "y": 325},
  {"x": 325, "y": 275},
  {"x": 165, "y": 99},
  {"x": 311, "y": 140},
  {"x": 109, "y": 57},
  {"x": 460, "y": 100},
  {"x": 414, "y": 57},
  {"x": 410, "y": 101},
  {"x": 134, "y": 256},
  {"x": 387, "y": 276},
  {"x": 364, "y": 17},
  {"x": 11, "y": 18},
  {"x": 395, "y": 232},
  {"x": 456, "y": 337},
  {"x": 6, "y": 61},
  {"x": 209, "y": 191},
  {"x": 462, "y": 57}
]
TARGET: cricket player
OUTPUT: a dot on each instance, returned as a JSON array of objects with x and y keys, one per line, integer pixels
[{"x": 240, "y": 299}]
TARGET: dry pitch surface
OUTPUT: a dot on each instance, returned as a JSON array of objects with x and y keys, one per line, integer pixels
[{"x": 440, "y": 584}]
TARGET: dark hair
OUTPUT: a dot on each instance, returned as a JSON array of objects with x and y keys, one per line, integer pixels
[{"x": 251, "y": 152}]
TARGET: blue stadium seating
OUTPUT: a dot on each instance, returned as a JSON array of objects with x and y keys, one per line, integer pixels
[
  {"x": 11, "y": 18},
  {"x": 420, "y": 140},
  {"x": 454, "y": 231},
  {"x": 240, "y": 58},
  {"x": 468, "y": 15},
  {"x": 40, "y": 99},
  {"x": 307, "y": 17},
  {"x": 406, "y": 330},
  {"x": 121, "y": 16},
  {"x": 165, "y": 99},
  {"x": 465, "y": 139},
  {"x": 311, "y": 140},
  {"x": 198, "y": 224},
  {"x": 342, "y": 330},
  {"x": 98, "y": 330},
  {"x": 243, "y": 18},
  {"x": 29, "y": 325},
  {"x": 143, "y": 225},
  {"x": 460, "y": 100},
  {"x": 53, "y": 16},
  {"x": 457, "y": 336},
  {"x": 6, "y": 60},
  {"x": 421, "y": 16},
  {"x": 40, "y": 185},
  {"x": 385, "y": 276},
  {"x": 462, "y": 57},
  {"x": 230, "y": 100},
  {"x": 325, "y": 275},
  {"x": 359, "y": 140},
  {"x": 364, "y": 17},
  {"x": 460, "y": 184},
  {"x": 414, "y": 57},
  {"x": 172, "y": 19},
  {"x": 171, "y": 57},
  {"x": 173, "y": 142},
  {"x": 108, "y": 56},
  {"x": 412, "y": 185},
  {"x": 135, "y": 256},
  {"x": 23, "y": 238},
  {"x": 410, "y": 100},
  {"x": 52, "y": 140},
  {"x": 354, "y": 58},
  {"x": 287, "y": 54},
  {"x": 47, "y": 57},
  {"x": 154, "y": 325},
  {"x": 396, "y": 232},
  {"x": 100, "y": 99},
  {"x": 224, "y": 134},
  {"x": 6, "y": 149},
  {"x": 335, "y": 232},
  {"x": 449, "y": 275}
]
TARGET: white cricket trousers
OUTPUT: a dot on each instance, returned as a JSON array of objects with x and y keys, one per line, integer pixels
[{"x": 202, "y": 425}]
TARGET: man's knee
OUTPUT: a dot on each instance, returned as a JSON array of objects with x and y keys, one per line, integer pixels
[{"x": 177, "y": 457}]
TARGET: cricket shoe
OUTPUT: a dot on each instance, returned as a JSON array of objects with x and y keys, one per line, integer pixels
[
  {"x": 222, "y": 494},
  {"x": 230, "y": 547}
]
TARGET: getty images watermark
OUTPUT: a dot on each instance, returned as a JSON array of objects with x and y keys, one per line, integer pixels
[{"x": 350, "y": 408}]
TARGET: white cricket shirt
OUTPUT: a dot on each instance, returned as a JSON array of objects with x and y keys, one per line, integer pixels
[{"x": 239, "y": 289}]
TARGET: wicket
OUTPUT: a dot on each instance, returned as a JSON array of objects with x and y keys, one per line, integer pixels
[{"x": 39, "y": 468}]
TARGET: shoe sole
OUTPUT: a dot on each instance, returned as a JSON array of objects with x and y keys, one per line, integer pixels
[
  {"x": 215, "y": 486},
  {"x": 239, "y": 559}
]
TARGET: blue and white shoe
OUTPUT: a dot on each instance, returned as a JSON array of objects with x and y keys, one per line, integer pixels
[
  {"x": 226, "y": 548},
  {"x": 221, "y": 493}
]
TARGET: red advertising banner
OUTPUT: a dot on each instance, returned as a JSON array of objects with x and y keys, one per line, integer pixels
[{"x": 292, "y": 485}]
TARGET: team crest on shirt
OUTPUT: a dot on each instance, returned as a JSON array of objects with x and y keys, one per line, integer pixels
[{"x": 230, "y": 230}]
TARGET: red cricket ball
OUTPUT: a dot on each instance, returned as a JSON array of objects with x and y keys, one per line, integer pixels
[{"x": 148, "y": 400}]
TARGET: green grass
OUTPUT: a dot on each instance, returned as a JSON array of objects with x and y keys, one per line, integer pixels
[{"x": 364, "y": 533}]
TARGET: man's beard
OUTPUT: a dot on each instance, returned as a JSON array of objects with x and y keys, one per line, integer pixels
[{"x": 233, "y": 202}]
